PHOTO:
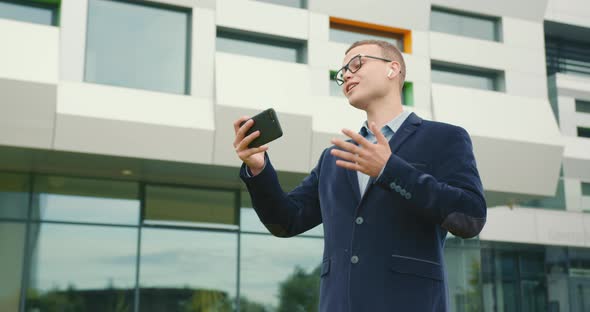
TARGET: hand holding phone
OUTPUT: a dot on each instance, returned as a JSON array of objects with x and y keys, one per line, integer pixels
[{"x": 268, "y": 124}]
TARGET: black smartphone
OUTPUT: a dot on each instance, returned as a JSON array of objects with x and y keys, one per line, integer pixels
[{"x": 268, "y": 125}]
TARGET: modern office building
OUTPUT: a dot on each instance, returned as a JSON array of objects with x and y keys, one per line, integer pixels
[{"x": 119, "y": 186}]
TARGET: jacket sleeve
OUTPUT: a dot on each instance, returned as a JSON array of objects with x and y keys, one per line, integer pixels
[
  {"x": 452, "y": 197},
  {"x": 284, "y": 214}
]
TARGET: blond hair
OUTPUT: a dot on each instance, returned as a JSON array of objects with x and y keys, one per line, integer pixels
[{"x": 388, "y": 51}]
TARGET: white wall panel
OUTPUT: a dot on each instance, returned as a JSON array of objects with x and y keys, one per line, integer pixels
[
  {"x": 537, "y": 226},
  {"x": 72, "y": 41},
  {"x": 263, "y": 17},
  {"x": 509, "y": 133},
  {"x": 257, "y": 83},
  {"x": 203, "y": 53},
  {"x": 115, "y": 103},
  {"x": 526, "y": 84},
  {"x": 569, "y": 12},
  {"x": 576, "y": 163},
  {"x": 29, "y": 51}
]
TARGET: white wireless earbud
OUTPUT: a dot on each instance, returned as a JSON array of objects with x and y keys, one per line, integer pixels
[{"x": 389, "y": 73}]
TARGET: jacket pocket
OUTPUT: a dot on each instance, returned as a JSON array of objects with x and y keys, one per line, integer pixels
[
  {"x": 417, "y": 267},
  {"x": 325, "y": 267}
]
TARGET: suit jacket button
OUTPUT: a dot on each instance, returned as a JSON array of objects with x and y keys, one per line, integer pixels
[
  {"x": 408, "y": 195},
  {"x": 392, "y": 185},
  {"x": 398, "y": 188},
  {"x": 354, "y": 259},
  {"x": 403, "y": 192},
  {"x": 359, "y": 220}
]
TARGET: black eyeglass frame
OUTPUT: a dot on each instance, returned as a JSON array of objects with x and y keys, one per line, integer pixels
[{"x": 347, "y": 66}]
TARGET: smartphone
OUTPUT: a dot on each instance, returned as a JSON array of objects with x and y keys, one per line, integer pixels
[{"x": 268, "y": 125}]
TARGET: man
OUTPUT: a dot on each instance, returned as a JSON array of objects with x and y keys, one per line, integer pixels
[{"x": 387, "y": 197}]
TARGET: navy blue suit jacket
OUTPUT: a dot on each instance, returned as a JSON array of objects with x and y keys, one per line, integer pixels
[{"x": 383, "y": 251}]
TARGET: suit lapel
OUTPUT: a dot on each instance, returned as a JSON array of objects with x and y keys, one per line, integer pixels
[{"x": 354, "y": 183}]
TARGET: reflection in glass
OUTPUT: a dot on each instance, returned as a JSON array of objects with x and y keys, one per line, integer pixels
[
  {"x": 258, "y": 46},
  {"x": 184, "y": 270},
  {"x": 249, "y": 221},
  {"x": 463, "y": 265},
  {"x": 14, "y": 195},
  {"x": 473, "y": 26},
  {"x": 85, "y": 200},
  {"x": 12, "y": 243},
  {"x": 278, "y": 277},
  {"x": 183, "y": 206},
  {"x": 81, "y": 268},
  {"x": 138, "y": 46},
  {"x": 29, "y": 11}
]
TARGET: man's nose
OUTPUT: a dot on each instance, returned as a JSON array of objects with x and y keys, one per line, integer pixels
[{"x": 347, "y": 75}]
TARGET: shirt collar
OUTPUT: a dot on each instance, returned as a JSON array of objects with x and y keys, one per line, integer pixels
[{"x": 393, "y": 124}]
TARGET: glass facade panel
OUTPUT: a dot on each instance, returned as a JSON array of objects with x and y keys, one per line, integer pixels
[
  {"x": 584, "y": 132},
  {"x": 474, "y": 26},
  {"x": 556, "y": 202},
  {"x": 138, "y": 46},
  {"x": 275, "y": 278},
  {"x": 585, "y": 188},
  {"x": 12, "y": 246},
  {"x": 465, "y": 77},
  {"x": 259, "y": 46},
  {"x": 582, "y": 106},
  {"x": 38, "y": 12},
  {"x": 174, "y": 205},
  {"x": 85, "y": 200},
  {"x": 564, "y": 55},
  {"x": 249, "y": 221},
  {"x": 184, "y": 270},
  {"x": 81, "y": 268},
  {"x": 463, "y": 265},
  {"x": 14, "y": 196},
  {"x": 290, "y": 3}
]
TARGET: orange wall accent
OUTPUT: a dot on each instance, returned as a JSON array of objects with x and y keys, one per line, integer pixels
[{"x": 374, "y": 29}]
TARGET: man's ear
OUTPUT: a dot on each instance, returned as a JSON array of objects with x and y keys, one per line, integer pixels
[{"x": 394, "y": 69}]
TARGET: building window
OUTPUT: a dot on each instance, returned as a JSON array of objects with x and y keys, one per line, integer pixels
[
  {"x": 585, "y": 188},
  {"x": 584, "y": 132},
  {"x": 143, "y": 46},
  {"x": 465, "y": 24},
  {"x": 350, "y": 31},
  {"x": 290, "y": 3},
  {"x": 31, "y": 11},
  {"x": 407, "y": 91},
  {"x": 567, "y": 49},
  {"x": 469, "y": 77},
  {"x": 258, "y": 45},
  {"x": 582, "y": 106}
]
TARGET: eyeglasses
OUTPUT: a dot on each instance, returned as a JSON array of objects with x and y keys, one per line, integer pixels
[{"x": 353, "y": 66}]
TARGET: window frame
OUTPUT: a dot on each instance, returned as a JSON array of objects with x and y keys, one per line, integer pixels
[
  {"x": 496, "y": 20},
  {"x": 53, "y": 5},
  {"x": 299, "y": 46},
  {"x": 401, "y": 34},
  {"x": 496, "y": 76}
]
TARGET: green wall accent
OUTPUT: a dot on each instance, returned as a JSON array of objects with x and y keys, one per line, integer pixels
[{"x": 408, "y": 96}]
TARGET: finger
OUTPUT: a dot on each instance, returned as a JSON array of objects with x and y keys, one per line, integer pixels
[
  {"x": 346, "y": 156},
  {"x": 238, "y": 122},
  {"x": 378, "y": 134},
  {"x": 243, "y": 145},
  {"x": 242, "y": 132},
  {"x": 251, "y": 151},
  {"x": 346, "y": 146},
  {"x": 357, "y": 138},
  {"x": 348, "y": 165}
]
